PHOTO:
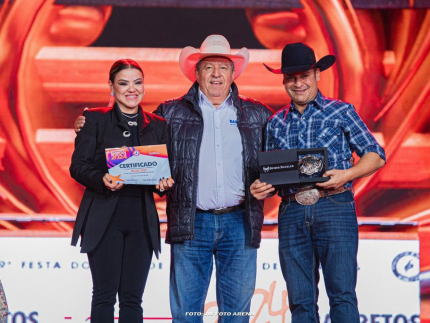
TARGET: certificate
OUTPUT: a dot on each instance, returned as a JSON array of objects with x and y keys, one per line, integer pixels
[{"x": 140, "y": 165}]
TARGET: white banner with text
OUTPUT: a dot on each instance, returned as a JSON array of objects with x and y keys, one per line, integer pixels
[{"x": 48, "y": 281}]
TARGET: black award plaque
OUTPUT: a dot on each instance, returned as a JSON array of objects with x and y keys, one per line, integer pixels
[{"x": 293, "y": 166}]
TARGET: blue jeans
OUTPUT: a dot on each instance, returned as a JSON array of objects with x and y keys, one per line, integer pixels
[
  {"x": 326, "y": 233},
  {"x": 227, "y": 238}
]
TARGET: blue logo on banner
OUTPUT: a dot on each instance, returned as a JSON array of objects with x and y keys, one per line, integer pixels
[{"x": 406, "y": 266}]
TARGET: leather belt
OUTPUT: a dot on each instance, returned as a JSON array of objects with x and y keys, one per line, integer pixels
[
  {"x": 316, "y": 192},
  {"x": 224, "y": 210}
]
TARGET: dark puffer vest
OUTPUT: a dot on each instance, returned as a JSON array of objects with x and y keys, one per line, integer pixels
[{"x": 185, "y": 129}]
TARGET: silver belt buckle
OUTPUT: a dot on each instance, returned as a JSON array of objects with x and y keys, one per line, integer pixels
[
  {"x": 219, "y": 211},
  {"x": 307, "y": 195},
  {"x": 310, "y": 165}
]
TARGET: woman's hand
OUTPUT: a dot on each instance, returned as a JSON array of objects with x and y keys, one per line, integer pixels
[
  {"x": 110, "y": 185},
  {"x": 164, "y": 184}
]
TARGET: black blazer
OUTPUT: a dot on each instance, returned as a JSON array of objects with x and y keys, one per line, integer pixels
[{"x": 104, "y": 128}]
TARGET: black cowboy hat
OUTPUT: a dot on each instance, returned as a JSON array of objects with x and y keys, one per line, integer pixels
[{"x": 298, "y": 57}]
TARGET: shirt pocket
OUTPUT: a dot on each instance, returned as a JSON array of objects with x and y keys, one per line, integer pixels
[{"x": 327, "y": 135}]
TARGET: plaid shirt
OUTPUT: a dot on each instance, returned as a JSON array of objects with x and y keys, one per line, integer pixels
[{"x": 325, "y": 123}]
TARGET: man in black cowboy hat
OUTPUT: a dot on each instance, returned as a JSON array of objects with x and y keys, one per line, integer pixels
[{"x": 322, "y": 227}]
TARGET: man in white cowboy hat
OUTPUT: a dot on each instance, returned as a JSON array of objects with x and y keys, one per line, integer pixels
[
  {"x": 318, "y": 224},
  {"x": 214, "y": 139}
]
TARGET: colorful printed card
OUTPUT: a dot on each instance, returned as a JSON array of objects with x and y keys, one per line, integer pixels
[{"x": 140, "y": 165}]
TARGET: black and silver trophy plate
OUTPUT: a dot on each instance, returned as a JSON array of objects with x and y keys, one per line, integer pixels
[{"x": 293, "y": 166}]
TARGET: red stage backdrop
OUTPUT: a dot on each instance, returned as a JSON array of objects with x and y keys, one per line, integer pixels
[{"x": 49, "y": 72}]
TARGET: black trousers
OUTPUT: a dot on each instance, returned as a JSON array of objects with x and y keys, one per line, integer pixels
[{"x": 120, "y": 264}]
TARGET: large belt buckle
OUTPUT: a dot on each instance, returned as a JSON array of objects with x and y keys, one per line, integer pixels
[
  {"x": 310, "y": 165},
  {"x": 307, "y": 195}
]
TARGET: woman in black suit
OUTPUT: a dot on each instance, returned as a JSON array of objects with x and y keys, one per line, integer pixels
[{"x": 118, "y": 223}]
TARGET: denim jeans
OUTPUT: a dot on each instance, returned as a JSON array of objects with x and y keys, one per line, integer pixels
[
  {"x": 227, "y": 239},
  {"x": 326, "y": 233}
]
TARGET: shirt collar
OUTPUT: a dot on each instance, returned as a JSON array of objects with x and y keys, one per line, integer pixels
[
  {"x": 203, "y": 99},
  {"x": 319, "y": 100}
]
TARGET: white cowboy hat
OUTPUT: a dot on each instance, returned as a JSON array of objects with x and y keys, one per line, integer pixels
[{"x": 213, "y": 45}]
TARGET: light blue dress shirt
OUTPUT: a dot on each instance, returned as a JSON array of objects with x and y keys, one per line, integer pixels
[{"x": 220, "y": 180}]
